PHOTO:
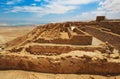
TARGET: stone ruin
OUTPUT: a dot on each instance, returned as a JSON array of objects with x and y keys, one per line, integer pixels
[
  {"x": 100, "y": 18},
  {"x": 64, "y": 48}
]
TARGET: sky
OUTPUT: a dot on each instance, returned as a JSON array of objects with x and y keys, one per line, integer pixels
[{"x": 18, "y": 12}]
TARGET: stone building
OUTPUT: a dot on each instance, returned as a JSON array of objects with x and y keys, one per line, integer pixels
[{"x": 100, "y": 18}]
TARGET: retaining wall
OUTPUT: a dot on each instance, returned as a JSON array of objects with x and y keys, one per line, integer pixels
[
  {"x": 110, "y": 37},
  {"x": 64, "y": 65},
  {"x": 59, "y": 49},
  {"x": 81, "y": 38},
  {"x": 74, "y": 40},
  {"x": 113, "y": 26}
]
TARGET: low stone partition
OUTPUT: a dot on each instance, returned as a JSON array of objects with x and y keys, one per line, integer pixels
[
  {"x": 105, "y": 36},
  {"x": 64, "y": 65},
  {"x": 80, "y": 32},
  {"x": 38, "y": 49},
  {"x": 74, "y": 40},
  {"x": 70, "y": 32},
  {"x": 80, "y": 38}
]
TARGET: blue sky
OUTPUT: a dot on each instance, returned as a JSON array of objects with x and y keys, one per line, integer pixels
[{"x": 16, "y": 12}]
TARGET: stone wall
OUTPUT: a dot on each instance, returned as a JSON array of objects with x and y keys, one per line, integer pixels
[
  {"x": 74, "y": 40},
  {"x": 70, "y": 32},
  {"x": 81, "y": 38},
  {"x": 80, "y": 32},
  {"x": 113, "y": 26},
  {"x": 110, "y": 37},
  {"x": 59, "y": 49},
  {"x": 100, "y": 18},
  {"x": 64, "y": 65}
]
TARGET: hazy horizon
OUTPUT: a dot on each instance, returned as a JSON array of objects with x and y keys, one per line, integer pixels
[{"x": 24, "y": 12}]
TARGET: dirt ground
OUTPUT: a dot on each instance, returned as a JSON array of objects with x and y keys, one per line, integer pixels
[
  {"x": 18, "y": 74},
  {"x": 9, "y": 33}
]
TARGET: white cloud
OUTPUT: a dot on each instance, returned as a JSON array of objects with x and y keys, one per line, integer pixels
[
  {"x": 110, "y": 5},
  {"x": 27, "y": 9},
  {"x": 53, "y": 6},
  {"x": 73, "y": 2},
  {"x": 9, "y": 2},
  {"x": 108, "y": 8},
  {"x": 57, "y": 9},
  {"x": 37, "y": 0},
  {"x": 85, "y": 16},
  {"x": 34, "y": 4}
]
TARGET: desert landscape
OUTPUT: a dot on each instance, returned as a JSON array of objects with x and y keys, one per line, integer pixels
[{"x": 66, "y": 50}]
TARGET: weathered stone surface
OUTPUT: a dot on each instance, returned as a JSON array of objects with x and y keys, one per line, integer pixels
[
  {"x": 56, "y": 48},
  {"x": 83, "y": 64}
]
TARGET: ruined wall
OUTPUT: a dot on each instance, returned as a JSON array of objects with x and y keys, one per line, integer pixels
[
  {"x": 70, "y": 32},
  {"x": 37, "y": 49},
  {"x": 16, "y": 41},
  {"x": 112, "y": 38},
  {"x": 100, "y": 18},
  {"x": 59, "y": 49},
  {"x": 26, "y": 38},
  {"x": 113, "y": 26},
  {"x": 61, "y": 41},
  {"x": 81, "y": 40},
  {"x": 74, "y": 40},
  {"x": 65, "y": 65},
  {"x": 78, "y": 31}
]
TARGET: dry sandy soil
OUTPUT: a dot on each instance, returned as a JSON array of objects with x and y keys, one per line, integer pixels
[
  {"x": 9, "y": 33},
  {"x": 18, "y": 74}
]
